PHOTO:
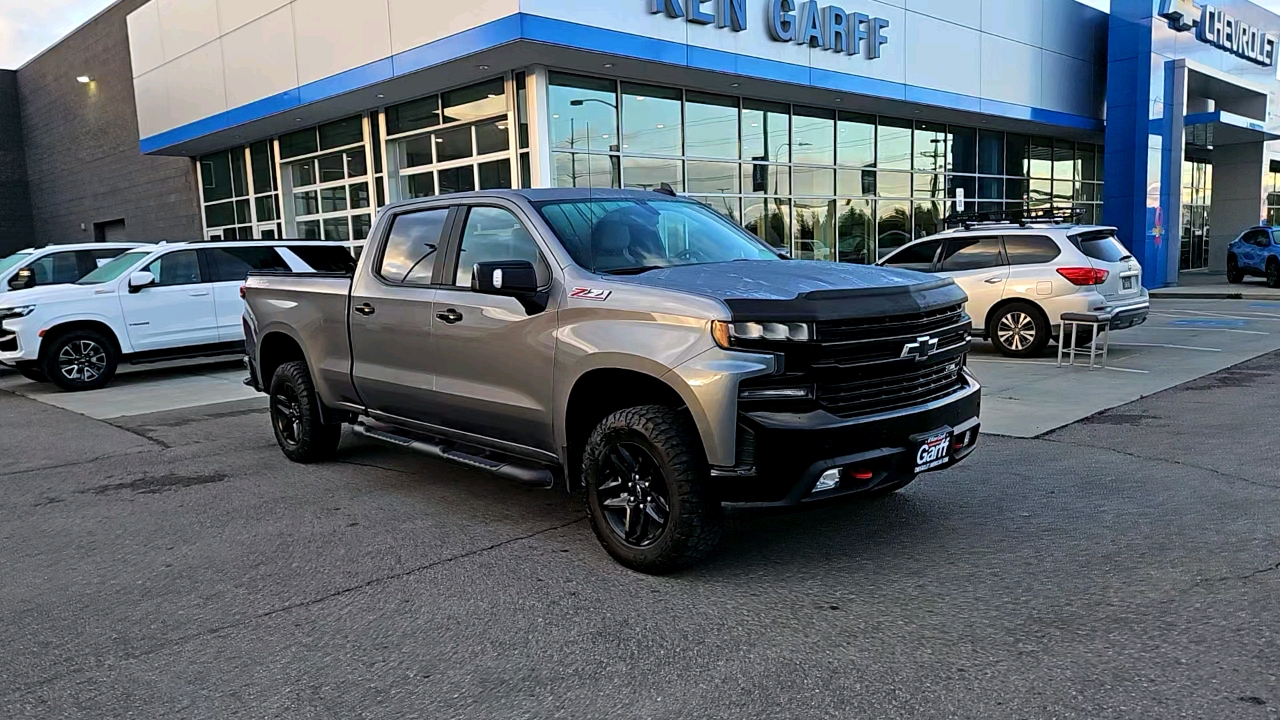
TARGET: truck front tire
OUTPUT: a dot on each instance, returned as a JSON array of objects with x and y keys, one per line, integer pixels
[
  {"x": 79, "y": 360},
  {"x": 295, "y": 416},
  {"x": 647, "y": 490}
]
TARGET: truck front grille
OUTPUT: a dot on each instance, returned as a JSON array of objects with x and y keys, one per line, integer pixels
[{"x": 857, "y": 367}]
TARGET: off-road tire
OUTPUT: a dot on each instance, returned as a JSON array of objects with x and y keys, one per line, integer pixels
[
  {"x": 1273, "y": 273},
  {"x": 1038, "y": 326},
  {"x": 97, "y": 350},
  {"x": 295, "y": 416},
  {"x": 695, "y": 520},
  {"x": 1235, "y": 275}
]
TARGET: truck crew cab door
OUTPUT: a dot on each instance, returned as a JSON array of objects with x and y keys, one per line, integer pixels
[
  {"x": 389, "y": 315},
  {"x": 492, "y": 358}
]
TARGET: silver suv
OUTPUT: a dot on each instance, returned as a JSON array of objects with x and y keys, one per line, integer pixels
[
  {"x": 637, "y": 344},
  {"x": 1022, "y": 276}
]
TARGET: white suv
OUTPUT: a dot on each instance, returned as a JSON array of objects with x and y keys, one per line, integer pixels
[
  {"x": 154, "y": 302},
  {"x": 1021, "y": 278},
  {"x": 55, "y": 264}
]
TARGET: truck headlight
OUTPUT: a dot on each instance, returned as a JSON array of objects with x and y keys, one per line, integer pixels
[
  {"x": 725, "y": 333},
  {"x": 20, "y": 311}
]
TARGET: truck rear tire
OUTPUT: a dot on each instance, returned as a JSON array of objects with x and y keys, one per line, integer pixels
[
  {"x": 647, "y": 490},
  {"x": 295, "y": 416}
]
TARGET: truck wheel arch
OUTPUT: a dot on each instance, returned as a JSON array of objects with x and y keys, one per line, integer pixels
[
  {"x": 275, "y": 349},
  {"x": 600, "y": 392}
]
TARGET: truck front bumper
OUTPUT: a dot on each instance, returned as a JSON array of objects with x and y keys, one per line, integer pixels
[{"x": 791, "y": 459}]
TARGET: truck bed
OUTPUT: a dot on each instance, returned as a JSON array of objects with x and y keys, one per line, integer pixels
[{"x": 312, "y": 309}]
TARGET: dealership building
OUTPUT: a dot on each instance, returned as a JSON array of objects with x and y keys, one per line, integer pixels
[{"x": 838, "y": 132}]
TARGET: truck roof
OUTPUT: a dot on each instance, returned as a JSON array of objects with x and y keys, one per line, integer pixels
[{"x": 551, "y": 194}]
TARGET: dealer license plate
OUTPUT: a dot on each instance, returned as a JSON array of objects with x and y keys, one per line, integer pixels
[
  {"x": 1127, "y": 283},
  {"x": 933, "y": 450}
]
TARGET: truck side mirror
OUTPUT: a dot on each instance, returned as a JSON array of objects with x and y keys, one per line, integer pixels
[
  {"x": 140, "y": 279},
  {"x": 23, "y": 279},
  {"x": 510, "y": 278}
]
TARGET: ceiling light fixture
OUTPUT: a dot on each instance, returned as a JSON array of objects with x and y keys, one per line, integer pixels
[
  {"x": 84, "y": 79},
  {"x": 483, "y": 67},
  {"x": 608, "y": 65}
]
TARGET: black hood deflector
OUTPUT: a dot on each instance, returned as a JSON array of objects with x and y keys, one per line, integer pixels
[{"x": 799, "y": 290}]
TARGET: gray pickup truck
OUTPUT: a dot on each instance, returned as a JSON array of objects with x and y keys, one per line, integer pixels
[{"x": 635, "y": 344}]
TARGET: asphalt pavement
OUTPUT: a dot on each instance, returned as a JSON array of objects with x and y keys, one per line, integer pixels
[{"x": 175, "y": 565}]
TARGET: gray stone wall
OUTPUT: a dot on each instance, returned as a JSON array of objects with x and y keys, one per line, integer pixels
[{"x": 81, "y": 143}]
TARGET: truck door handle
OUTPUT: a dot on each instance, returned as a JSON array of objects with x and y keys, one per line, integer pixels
[
  {"x": 366, "y": 309},
  {"x": 993, "y": 281},
  {"x": 450, "y": 316}
]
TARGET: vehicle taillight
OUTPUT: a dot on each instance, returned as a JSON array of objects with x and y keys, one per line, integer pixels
[
  {"x": 1084, "y": 275},
  {"x": 242, "y": 289}
]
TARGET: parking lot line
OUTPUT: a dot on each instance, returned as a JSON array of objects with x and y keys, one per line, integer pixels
[
  {"x": 1224, "y": 316},
  {"x": 1203, "y": 329},
  {"x": 1054, "y": 364},
  {"x": 1165, "y": 345}
]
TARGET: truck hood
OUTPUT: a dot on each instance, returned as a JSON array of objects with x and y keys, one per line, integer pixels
[{"x": 806, "y": 289}]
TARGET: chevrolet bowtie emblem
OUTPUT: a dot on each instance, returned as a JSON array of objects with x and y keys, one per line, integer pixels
[
  {"x": 1183, "y": 15},
  {"x": 921, "y": 349}
]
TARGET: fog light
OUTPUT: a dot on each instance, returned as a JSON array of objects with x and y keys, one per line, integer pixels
[{"x": 829, "y": 481}]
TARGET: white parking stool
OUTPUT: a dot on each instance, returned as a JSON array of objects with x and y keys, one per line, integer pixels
[{"x": 1097, "y": 323}]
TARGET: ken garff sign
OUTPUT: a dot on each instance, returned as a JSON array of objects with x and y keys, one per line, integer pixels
[
  {"x": 1217, "y": 28},
  {"x": 803, "y": 23}
]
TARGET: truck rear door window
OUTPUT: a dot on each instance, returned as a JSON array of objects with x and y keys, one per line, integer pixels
[{"x": 410, "y": 256}]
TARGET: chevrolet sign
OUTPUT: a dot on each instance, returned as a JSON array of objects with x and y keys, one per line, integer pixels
[{"x": 1225, "y": 32}]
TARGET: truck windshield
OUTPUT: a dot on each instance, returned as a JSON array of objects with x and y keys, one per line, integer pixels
[
  {"x": 12, "y": 260},
  {"x": 114, "y": 269},
  {"x": 623, "y": 236}
]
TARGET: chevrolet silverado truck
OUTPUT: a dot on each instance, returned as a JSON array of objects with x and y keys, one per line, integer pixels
[{"x": 635, "y": 344}]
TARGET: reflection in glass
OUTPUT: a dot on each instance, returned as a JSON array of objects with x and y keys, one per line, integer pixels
[
  {"x": 304, "y": 174},
  {"x": 766, "y": 131},
  {"x": 1017, "y": 155},
  {"x": 1064, "y": 161},
  {"x": 726, "y": 206},
  {"x": 855, "y": 230},
  {"x": 306, "y": 203},
  {"x": 360, "y": 225},
  {"x": 815, "y": 231},
  {"x": 495, "y": 175},
  {"x": 894, "y": 184},
  {"x": 357, "y": 164},
  {"x": 333, "y": 199},
  {"x": 929, "y": 185},
  {"x": 651, "y": 120},
  {"x": 492, "y": 137},
  {"x": 813, "y": 181},
  {"x": 931, "y": 147},
  {"x": 342, "y": 132},
  {"x": 474, "y": 102},
  {"x": 712, "y": 177},
  {"x": 1041, "y": 158},
  {"x": 332, "y": 167},
  {"x": 967, "y": 183},
  {"x": 309, "y": 229},
  {"x": 814, "y": 136},
  {"x": 1040, "y": 194},
  {"x": 768, "y": 219},
  {"x": 856, "y": 183},
  {"x": 1063, "y": 191},
  {"x": 359, "y": 194},
  {"x": 893, "y": 144},
  {"x": 413, "y": 115},
  {"x": 962, "y": 151},
  {"x": 453, "y": 144},
  {"x": 417, "y": 186},
  {"x": 928, "y": 219},
  {"x": 586, "y": 171},
  {"x": 266, "y": 207},
  {"x": 711, "y": 126},
  {"x": 578, "y": 106},
  {"x": 652, "y": 173},
  {"x": 337, "y": 229},
  {"x": 1087, "y": 161},
  {"x": 766, "y": 179},
  {"x": 894, "y": 225},
  {"x": 856, "y": 140},
  {"x": 417, "y": 151},
  {"x": 1015, "y": 190},
  {"x": 991, "y": 188},
  {"x": 459, "y": 179},
  {"x": 990, "y": 152}
]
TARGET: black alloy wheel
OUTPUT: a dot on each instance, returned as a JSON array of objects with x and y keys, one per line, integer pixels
[
  {"x": 648, "y": 493},
  {"x": 634, "y": 495},
  {"x": 286, "y": 413},
  {"x": 299, "y": 428},
  {"x": 79, "y": 360},
  {"x": 1273, "y": 273},
  {"x": 1234, "y": 275}
]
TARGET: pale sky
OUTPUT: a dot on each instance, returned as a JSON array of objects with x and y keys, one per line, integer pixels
[{"x": 29, "y": 26}]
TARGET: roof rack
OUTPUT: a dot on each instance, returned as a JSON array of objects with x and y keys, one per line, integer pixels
[{"x": 1019, "y": 216}]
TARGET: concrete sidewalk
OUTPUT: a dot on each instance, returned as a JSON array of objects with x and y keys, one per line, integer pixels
[{"x": 1202, "y": 285}]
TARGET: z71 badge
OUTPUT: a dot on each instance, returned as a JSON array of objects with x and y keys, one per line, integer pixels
[{"x": 584, "y": 293}]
